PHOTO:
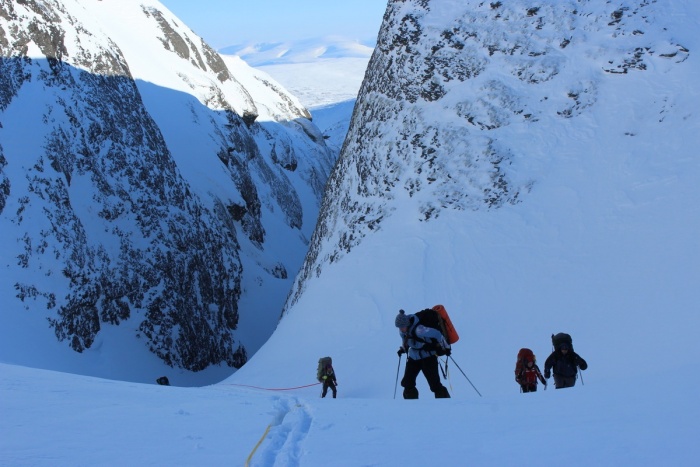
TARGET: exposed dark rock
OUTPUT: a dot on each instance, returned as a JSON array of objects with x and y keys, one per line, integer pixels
[{"x": 105, "y": 213}]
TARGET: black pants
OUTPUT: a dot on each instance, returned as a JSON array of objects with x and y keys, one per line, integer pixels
[
  {"x": 329, "y": 384},
  {"x": 528, "y": 387},
  {"x": 564, "y": 381},
  {"x": 429, "y": 367}
]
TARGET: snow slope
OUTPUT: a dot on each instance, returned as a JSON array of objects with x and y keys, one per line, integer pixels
[{"x": 604, "y": 247}]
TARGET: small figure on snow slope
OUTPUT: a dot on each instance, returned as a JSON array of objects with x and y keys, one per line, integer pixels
[
  {"x": 326, "y": 375},
  {"x": 422, "y": 344},
  {"x": 564, "y": 362},
  {"x": 527, "y": 372}
]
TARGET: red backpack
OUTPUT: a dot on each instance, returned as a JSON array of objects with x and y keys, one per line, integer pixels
[{"x": 521, "y": 369}]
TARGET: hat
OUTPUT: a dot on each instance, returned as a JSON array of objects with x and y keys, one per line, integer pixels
[{"x": 402, "y": 320}]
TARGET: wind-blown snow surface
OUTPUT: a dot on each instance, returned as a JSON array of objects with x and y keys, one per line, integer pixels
[
  {"x": 604, "y": 246},
  {"x": 334, "y": 79},
  {"x": 57, "y": 419}
]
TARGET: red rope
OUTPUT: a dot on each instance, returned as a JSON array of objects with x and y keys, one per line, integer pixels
[{"x": 273, "y": 389}]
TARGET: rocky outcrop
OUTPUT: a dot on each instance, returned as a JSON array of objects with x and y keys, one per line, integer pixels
[
  {"x": 444, "y": 79},
  {"x": 111, "y": 230}
]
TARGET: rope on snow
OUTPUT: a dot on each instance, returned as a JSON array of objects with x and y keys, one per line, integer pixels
[{"x": 272, "y": 389}]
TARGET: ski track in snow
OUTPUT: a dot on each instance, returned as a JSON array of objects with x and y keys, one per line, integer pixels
[{"x": 290, "y": 427}]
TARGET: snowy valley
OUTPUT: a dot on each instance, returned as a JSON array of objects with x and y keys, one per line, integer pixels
[
  {"x": 157, "y": 199},
  {"x": 532, "y": 168}
]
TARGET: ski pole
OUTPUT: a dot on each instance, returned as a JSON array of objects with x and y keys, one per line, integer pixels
[
  {"x": 449, "y": 380},
  {"x": 460, "y": 369},
  {"x": 444, "y": 375},
  {"x": 580, "y": 374},
  {"x": 397, "y": 376}
]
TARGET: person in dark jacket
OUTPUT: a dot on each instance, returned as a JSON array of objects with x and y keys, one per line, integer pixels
[
  {"x": 422, "y": 345},
  {"x": 329, "y": 381},
  {"x": 564, "y": 362}
]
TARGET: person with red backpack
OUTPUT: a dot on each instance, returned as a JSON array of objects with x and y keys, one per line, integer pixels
[
  {"x": 527, "y": 372},
  {"x": 423, "y": 344}
]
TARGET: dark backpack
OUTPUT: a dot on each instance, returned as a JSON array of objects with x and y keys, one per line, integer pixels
[
  {"x": 561, "y": 338},
  {"x": 432, "y": 319},
  {"x": 163, "y": 381},
  {"x": 437, "y": 318},
  {"x": 323, "y": 362}
]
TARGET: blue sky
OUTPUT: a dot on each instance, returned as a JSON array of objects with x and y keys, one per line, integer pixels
[{"x": 229, "y": 22}]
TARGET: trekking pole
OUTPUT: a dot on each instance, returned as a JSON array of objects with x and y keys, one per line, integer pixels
[
  {"x": 449, "y": 380},
  {"x": 444, "y": 375},
  {"x": 457, "y": 365},
  {"x": 580, "y": 374},
  {"x": 397, "y": 376}
]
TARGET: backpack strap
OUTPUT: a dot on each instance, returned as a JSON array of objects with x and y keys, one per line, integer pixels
[{"x": 428, "y": 345}]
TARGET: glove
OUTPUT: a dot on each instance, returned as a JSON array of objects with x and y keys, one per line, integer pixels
[
  {"x": 401, "y": 351},
  {"x": 448, "y": 352},
  {"x": 546, "y": 375},
  {"x": 324, "y": 377}
]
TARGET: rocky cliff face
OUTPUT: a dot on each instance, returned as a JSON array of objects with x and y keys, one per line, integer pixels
[
  {"x": 127, "y": 202},
  {"x": 446, "y": 83}
]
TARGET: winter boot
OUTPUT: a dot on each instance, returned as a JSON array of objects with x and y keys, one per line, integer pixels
[
  {"x": 442, "y": 393},
  {"x": 410, "y": 393}
]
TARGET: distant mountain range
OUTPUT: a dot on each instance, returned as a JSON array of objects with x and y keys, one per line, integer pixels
[
  {"x": 304, "y": 51},
  {"x": 324, "y": 73},
  {"x": 319, "y": 72}
]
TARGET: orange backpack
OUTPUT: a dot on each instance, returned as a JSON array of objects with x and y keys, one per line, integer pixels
[{"x": 450, "y": 332}]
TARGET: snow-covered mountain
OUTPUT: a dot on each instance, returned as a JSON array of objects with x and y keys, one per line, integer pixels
[
  {"x": 324, "y": 73},
  {"x": 420, "y": 131},
  {"x": 155, "y": 195},
  {"x": 320, "y": 72},
  {"x": 533, "y": 169},
  {"x": 601, "y": 242},
  {"x": 302, "y": 51}
]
